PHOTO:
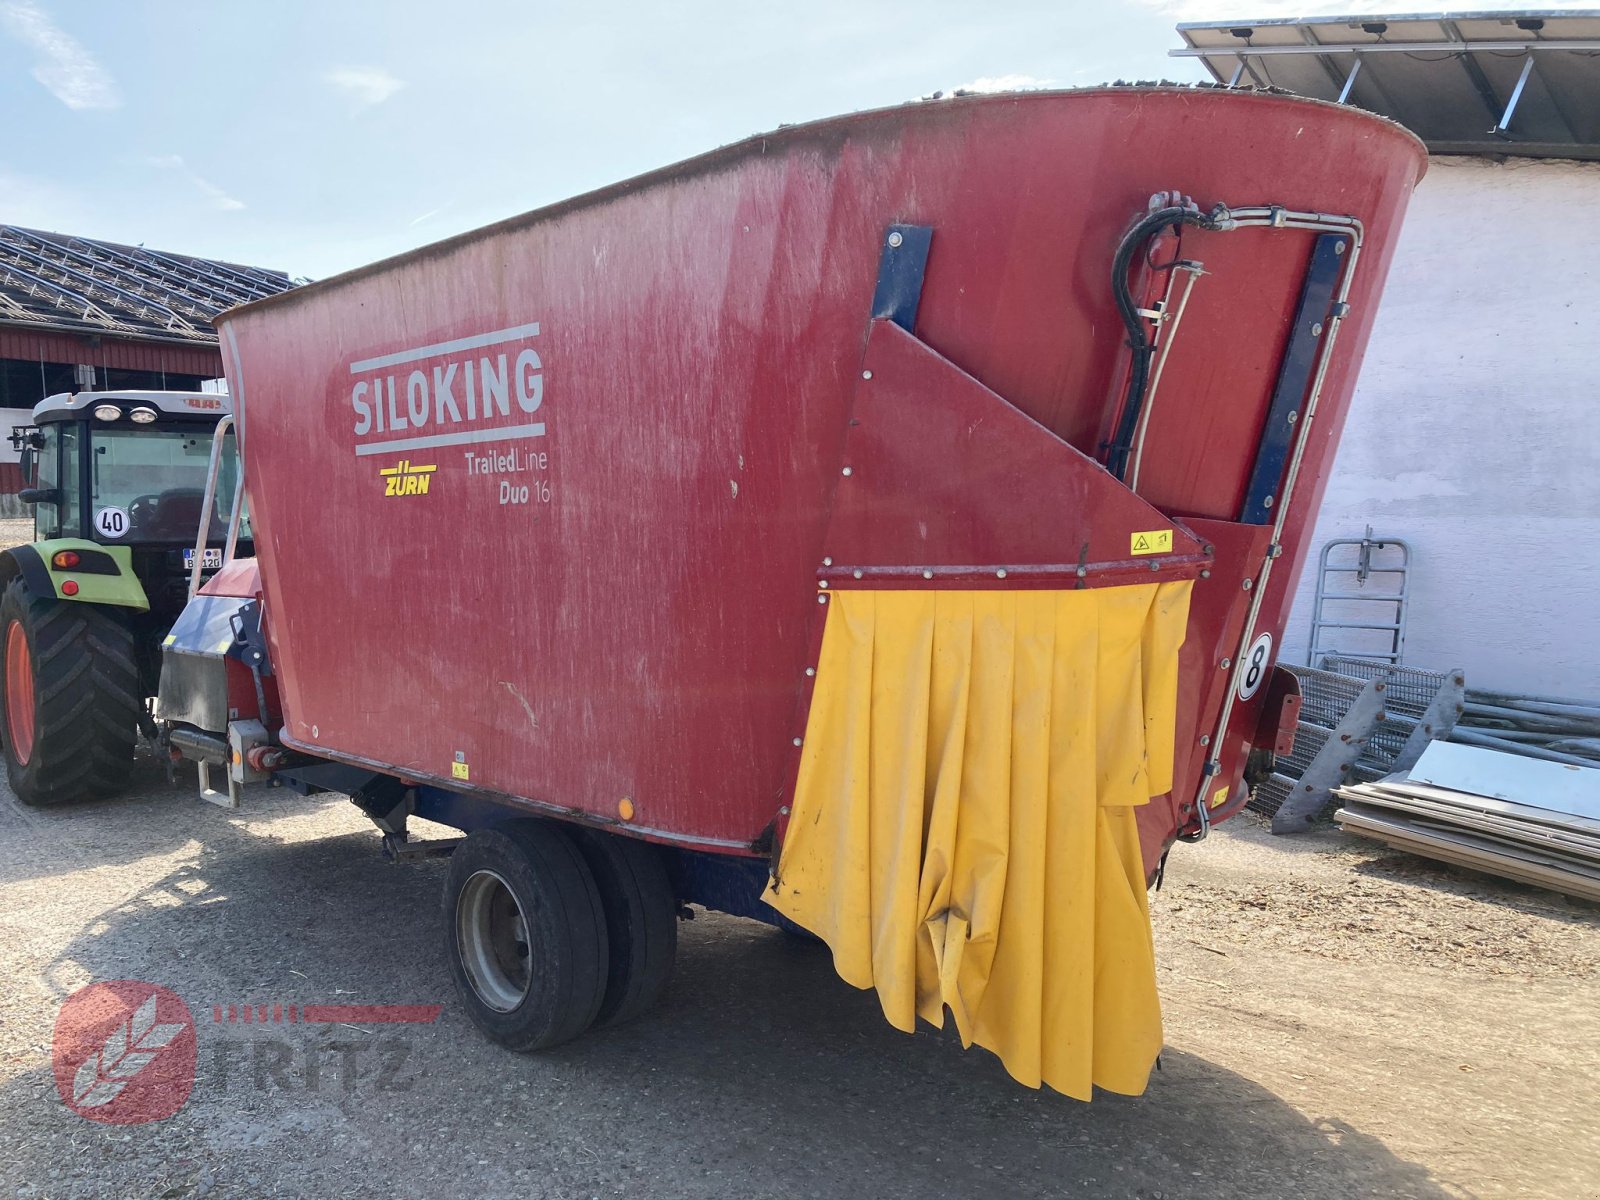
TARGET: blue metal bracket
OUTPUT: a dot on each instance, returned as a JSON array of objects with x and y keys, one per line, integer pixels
[
  {"x": 901, "y": 267},
  {"x": 1294, "y": 377}
]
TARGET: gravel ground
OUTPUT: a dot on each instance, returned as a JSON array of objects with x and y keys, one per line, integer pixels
[
  {"x": 14, "y": 530},
  {"x": 1341, "y": 1022}
]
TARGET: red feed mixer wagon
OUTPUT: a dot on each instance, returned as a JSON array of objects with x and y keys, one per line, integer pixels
[{"x": 883, "y": 526}]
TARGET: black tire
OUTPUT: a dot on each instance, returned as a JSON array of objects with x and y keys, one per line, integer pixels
[
  {"x": 641, "y": 922},
  {"x": 85, "y": 696},
  {"x": 542, "y": 987}
]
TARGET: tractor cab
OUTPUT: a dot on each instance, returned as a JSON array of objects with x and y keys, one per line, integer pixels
[
  {"x": 128, "y": 469},
  {"x": 127, "y": 489}
]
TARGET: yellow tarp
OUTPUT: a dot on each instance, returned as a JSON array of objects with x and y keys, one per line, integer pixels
[{"x": 963, "y": 831}]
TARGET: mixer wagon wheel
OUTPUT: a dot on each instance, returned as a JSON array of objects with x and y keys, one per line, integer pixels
[
  {"x": 641, "y": 921},
  {"x": 526, "y": 933},
  {"x": 71, "y": 694}
]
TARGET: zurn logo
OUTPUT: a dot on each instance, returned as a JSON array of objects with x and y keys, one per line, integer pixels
[
  {"x": 486, "y": 387},
  {"x": 406, "y": 478}
]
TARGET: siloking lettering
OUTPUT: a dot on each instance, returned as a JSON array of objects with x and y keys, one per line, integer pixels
[{"x": 471, "y": 389}]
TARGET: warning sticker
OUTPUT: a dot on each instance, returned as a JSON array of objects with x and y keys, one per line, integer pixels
[
  {"x": 1218, "y": 797},
  {"x": 1153, "y": 541},
  {"x": 459, "y": 768}
]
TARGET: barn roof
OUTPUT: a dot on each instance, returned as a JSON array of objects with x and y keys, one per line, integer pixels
[{"x": 60, "y": 282}]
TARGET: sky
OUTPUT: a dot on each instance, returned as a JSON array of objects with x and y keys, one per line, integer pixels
[{"x": 315, "y": 137}]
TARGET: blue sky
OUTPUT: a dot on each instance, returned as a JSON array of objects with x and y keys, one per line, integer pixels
[{"x": 313, "y": 137}]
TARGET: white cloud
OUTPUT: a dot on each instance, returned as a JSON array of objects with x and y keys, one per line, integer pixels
[
  {"x": 219, "y": 198},
  {"x": 368, "y": 85},
  {"x": 1003, "y": 83},
  {"x": 65, "y": 67}
]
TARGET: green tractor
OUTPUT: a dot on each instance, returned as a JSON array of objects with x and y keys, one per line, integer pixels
[{"x": 118, "y": 481}]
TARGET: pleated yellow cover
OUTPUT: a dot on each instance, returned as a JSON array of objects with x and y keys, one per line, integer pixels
[{"x": 963, "y": 831}]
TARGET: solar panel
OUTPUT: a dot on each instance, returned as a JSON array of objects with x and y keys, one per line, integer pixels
[
  {"x": 1515, "y": 83},
  {"x": 58, "y": 281}
]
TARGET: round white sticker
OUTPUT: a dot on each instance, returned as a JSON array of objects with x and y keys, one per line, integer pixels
[
  {"x": 1257, "y": 662},
  {"x": 111, "y": 522}
]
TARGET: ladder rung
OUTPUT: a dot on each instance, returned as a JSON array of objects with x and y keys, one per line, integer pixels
[
  {"x": 1356, "y": 625},
  {"x": 1361, "y": 596}
]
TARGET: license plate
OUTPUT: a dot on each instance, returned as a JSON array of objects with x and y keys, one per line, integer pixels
[{"x": 209, "y": 562}]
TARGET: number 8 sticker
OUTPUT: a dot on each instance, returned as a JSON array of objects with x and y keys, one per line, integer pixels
[{"x": 1257, "y": 662}]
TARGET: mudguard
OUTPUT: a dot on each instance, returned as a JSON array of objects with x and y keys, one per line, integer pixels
[{"x": 103, "y": 575}]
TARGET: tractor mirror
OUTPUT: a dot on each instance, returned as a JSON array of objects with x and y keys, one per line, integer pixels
[
  {"x": 38, "y": 495},
  {"x": 28, "y": 462}
]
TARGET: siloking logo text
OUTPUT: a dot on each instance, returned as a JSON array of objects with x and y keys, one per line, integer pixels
[{"x": 486, "y": 387}]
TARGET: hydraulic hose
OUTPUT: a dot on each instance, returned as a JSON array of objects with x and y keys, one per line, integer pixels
[{"x": 1138, "y": 341}]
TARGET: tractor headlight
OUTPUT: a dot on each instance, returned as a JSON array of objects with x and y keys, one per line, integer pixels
[
  {"x": 142, "y": 416},
  {"x": 107, "y": 412}
]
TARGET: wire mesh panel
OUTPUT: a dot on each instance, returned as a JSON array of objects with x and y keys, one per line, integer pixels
[
  {"x": 1327, "y": 693},
  {"x": 1348, "y": 734},
  {"x": 1410, "y": 689}
]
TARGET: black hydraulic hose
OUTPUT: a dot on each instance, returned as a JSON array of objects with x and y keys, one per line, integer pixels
[{"x": 1141, "y": 345}]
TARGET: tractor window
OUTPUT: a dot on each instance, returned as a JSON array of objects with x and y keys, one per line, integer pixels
[
  {"x": 71, "y": 480},
  {"x": 57, "y": 471},
  {"x": 47, "y": 517},
  {"x": 149, "y": 483}
]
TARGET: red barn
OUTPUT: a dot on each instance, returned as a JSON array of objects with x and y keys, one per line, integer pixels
[{"x": 77, "y": 314}]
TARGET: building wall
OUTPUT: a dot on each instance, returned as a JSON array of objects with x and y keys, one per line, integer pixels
[
  {"x": 1475, "y": 429},
  {"x": 35, "y": 363}
]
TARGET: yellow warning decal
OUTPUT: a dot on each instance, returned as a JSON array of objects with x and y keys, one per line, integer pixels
[
  {"x": 1152, "y": 541},
  {"x": 458, "y": 770},
  {"x": 1218, "y": 796},
  {"x": 169, "y": 639}
]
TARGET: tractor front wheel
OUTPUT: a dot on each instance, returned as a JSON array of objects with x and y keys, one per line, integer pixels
[{"x": 71, "y": 695}]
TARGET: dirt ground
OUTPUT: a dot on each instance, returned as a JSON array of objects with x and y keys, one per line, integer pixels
[{"x": 1342, "y": 1020}]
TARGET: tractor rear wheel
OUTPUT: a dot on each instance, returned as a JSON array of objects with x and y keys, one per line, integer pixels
[{"x": 71, "y": 697}]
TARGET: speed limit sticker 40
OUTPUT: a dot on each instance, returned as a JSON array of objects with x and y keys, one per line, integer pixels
[
  {"x": 1257, "y": 662},
  {"x": 111, "y": 522}
]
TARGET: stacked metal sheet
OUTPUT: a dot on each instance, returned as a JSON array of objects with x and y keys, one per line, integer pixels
[{"x": 1520, "y": 818}]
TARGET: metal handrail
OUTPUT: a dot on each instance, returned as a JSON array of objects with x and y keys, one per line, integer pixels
[
  {"x": 224, "y": 427},
  {"x": 1274, "y": 217}
]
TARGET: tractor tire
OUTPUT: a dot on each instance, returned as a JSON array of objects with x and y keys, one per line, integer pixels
[
  {"x": 526, "y": 934},
  {"x": 71, "y": 697},
  {"x": 641, "y": 922}
]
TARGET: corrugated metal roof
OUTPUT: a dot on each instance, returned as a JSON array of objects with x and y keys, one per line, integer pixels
[
  {"x": 61, "y": 282},
  {"x": 1519, "y": 83}
]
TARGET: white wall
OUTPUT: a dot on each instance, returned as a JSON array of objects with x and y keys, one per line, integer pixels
[{"x": 1475, "y": 429}]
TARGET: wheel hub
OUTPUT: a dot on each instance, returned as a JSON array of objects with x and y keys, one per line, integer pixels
[
  {"x": 492, "y": 933},
  {"x": 19, "y": 693}
]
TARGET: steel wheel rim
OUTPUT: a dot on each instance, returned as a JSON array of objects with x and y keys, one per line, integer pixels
[
  {"x": 19, "y": 693},
  {"x": 492, "y": 936}
]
